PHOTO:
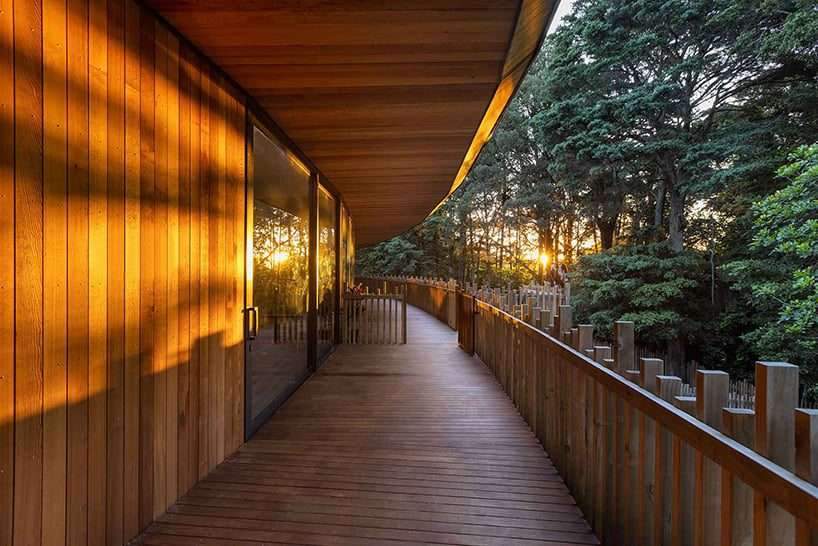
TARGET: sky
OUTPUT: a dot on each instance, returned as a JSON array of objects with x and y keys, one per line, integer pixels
[{"x": 562, "y": 10}]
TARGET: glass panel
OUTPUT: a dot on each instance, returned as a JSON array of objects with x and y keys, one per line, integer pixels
[
  {"x": 277, "y": 358},
  {"x": 350, "y": 254},
  {"x": 347, "y": 248},
  {"x": 326, "y": 272}
]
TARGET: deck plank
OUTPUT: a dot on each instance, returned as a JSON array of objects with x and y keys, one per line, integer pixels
[{"x": 412, "y": 444}]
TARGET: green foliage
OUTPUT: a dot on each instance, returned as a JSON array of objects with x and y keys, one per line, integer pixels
[
  {"x": 396, "y": 256},
  {"x": 653, "y": 131},
  {"x": 663, "y": 292},
  {"x": 678, "y": 94},
  {"x": 778, "y": 283}
]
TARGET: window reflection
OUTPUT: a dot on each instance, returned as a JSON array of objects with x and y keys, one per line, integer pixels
[
  {"x": 326, "y": 271},
  {"x": 347, "y": 246},
  {"x": 277, "y": 358},
  {"x": 280, "y": 269}
]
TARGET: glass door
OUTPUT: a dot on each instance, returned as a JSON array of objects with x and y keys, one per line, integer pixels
[
  {"x": 327, "y": 272},
  {"x": 278, "y": 208}
]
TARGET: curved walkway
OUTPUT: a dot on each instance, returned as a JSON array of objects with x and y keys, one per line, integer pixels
[{"x": 394, "y": 445}]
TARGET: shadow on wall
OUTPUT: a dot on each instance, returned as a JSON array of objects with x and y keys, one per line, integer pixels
[{"x": 121, "y": 271}]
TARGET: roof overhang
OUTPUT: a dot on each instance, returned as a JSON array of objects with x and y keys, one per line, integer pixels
[{"x": 391, "y": 100}]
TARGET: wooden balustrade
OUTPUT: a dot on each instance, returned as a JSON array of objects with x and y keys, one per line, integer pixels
[
  {"x": 644, "y": 463},
  {"x": 465, "y": 321},
  {"x": 287, "y": 329},
  {"x": 374, "y": 319},
  {"x": 436, "y": 297}
]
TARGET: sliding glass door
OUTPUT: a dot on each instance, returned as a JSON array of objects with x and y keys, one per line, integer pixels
[
  {"x": 277, "y": 283},
  {"x": 327, "y": 272}
]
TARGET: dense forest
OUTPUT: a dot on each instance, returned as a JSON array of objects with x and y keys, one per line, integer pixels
[{"x": 665, "y": 150}]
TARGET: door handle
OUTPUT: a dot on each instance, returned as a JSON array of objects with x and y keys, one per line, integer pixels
[{"x": 252, "y": 322}]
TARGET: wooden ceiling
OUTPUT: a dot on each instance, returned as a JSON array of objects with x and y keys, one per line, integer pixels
[{"x": 391, "y": 99}]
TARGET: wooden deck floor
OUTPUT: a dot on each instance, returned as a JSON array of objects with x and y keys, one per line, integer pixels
[{"x": 412, "y": 444}]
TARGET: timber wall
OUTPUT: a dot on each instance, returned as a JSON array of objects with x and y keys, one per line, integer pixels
[{"x": 121, "y": 270}]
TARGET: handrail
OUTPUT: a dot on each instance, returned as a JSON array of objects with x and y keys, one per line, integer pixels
[
  {"x": 797, "y": 496},
  {"x": 374, "y": 319},
  {"x": 646, "y": 465},
  {"x": 438, "y": 300}
]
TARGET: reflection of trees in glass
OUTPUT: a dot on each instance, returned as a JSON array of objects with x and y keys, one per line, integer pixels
[
  {"x": 326, "y": 263},
  {"x": 347, "y": 251},
  {"x": 280, "y": 261},
  {"x": 326, "y": 267}
]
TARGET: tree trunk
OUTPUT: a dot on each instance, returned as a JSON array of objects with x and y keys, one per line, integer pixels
[
  {"x": 606, "y": 232},
  {"x": 675, "y": 223},
  {"x": 568, "y": 244},
  {"x": 502, "y": 242},
  {"x": 676, "y": 356},
  {"x": 547, "y": 239},
  {"x": 659, "y": 206}
]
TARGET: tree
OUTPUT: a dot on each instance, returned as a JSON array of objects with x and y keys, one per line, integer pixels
[
  {"x": 397, "y": 256},
  {"x": 653, "y": 131},
  {"x": 779, "y": 283},
  {"x": 648, "y": 83},
  {"x": 662, "y": 291}
]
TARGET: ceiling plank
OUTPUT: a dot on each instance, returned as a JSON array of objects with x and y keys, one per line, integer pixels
[{"x": 392, "y": 101}]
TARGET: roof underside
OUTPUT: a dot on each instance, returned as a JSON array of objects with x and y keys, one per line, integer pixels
[{"x": 392, "y": 100}]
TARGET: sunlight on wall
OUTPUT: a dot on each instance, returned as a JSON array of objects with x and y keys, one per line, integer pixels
[{"x": 124, "y": 166}]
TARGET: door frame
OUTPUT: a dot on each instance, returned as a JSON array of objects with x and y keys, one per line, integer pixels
[{"x": 252, "y": 122}]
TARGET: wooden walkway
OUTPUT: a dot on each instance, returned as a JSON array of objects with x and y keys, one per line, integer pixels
[{"x": 394, "y": 445}]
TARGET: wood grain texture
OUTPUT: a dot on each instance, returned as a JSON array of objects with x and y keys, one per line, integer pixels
[
  {"x": 115, "y": 300},
  {"x": 54, "y": 287},
  {"x": 410, "y": 443},
  {"x": 27, "y": 258},
  {"x": 97, "y": 227},
  {"x": 132, "y": 372},
  {"x": 122, "y": 234},
  {"x": 372, "y": 84},
  {"x": 98, "y": 269},
  {"x": 7, "y": 268}
]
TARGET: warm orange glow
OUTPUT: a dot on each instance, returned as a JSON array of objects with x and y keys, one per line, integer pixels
[
  {"x": 544, "y": 259},
  {"x": 279, "y": 257}
]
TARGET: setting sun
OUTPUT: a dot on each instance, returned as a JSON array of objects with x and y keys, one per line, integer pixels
[{"x": 280, "y": 257}]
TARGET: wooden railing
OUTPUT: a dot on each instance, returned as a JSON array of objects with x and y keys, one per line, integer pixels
[
  {"x": 374, "y": 319},
  {"x": 466, "y": 307},
  {"x": 646, "y": 465},
  {"x": 434, "y": 296},
  {"x": 287, "y": 329}
]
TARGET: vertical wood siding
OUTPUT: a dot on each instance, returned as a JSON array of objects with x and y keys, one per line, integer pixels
[{"x": 121, "y": 270}]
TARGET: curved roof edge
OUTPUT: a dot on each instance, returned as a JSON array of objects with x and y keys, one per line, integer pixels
[{"x": 532, "y": 23}]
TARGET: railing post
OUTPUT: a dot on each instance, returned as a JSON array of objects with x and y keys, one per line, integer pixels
[
  {"x": 712, "y": 388},
  {"x": 403, "y": 313},
  {"x": 627, "y": 441},
  {"x": 668, "y": 388},
  {"x": 607, "y": 461},
  {"x": 649, "y": 369},
  {"x": 776, "y": 398},
  {"x": 565, "y": 321},
  {"x": 806, "y": 465},
  {"x": 684, "y": 476},
  {"x": 586, "y": 337},
  {"x": 623, "y": 346},
  {"x": 545, "y": 320},
  {"x": 736, "y": 496}
]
